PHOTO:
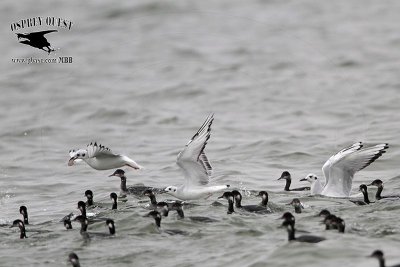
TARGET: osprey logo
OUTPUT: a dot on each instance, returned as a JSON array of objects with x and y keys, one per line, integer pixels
[
  {"x": 40, "y": 27},
  {"x": 37, "y": 39}
]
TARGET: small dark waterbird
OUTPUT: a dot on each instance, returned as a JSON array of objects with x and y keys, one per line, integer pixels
[{"x": 286, "y": 176}]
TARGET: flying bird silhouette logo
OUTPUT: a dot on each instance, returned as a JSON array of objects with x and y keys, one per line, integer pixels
[{"x": 37, "y": 39}]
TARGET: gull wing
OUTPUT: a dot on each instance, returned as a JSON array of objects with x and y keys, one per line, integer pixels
[
  {"x": 192, "y": 160},
  {"x": 97, "y": 150},
  {"x": 340, "y": 168}
]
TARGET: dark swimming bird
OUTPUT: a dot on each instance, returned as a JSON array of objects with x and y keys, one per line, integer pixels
[
  {"x": 149, "y": 193},
  {"x": 289, "y": 223},
  {"x": 378, "y": 183},
  {"x": 74, "y": 260},
  {"x": 264, "y": 198},
  {"x": 250, "y": 208},
  {"x": 163, "y": 208},
  {"x": 84, "y": 225},
  {"x": 297, "y": 205},
  {"x": 24, "y": 211},
  {"x": 114, "y": 198},
  {"x": 324, "y": 213},
  {"x": 82, "y": 208},
  {"x": 338, "y": 223},
  {"x": 89, "y": 196},
  {"x": 333, "y": 222},
  {"x": 364, "y": 191},
  {"x": 157, "y": 218},
  {"x": 37, "y": 39},
  {"x": 178, "y": 208},
  {"x": 21, "y": 227},
  {"x": 286, "y": 175},
  {"x": 228, "y": 196},
  {"x": 134, "y": 190},
  {"x": 379, "y": 255},
  {"x": 67, "y": 223}
]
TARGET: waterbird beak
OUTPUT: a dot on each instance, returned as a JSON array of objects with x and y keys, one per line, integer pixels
[
  {"x": 71, "y": 161},
  {"x": 280, "y": 178},
  {"x": 303, "y": 180},
  {"x": 221, "y": 197},
  {"x": 369, "y": 184}
]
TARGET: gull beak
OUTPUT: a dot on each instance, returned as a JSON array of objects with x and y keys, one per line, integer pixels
[
  {"x": 71, "y": 161},
  {"x": 303, "y": 180}
]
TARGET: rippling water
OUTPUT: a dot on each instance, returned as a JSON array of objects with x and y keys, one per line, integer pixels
[{"x": 290, "y": 82}]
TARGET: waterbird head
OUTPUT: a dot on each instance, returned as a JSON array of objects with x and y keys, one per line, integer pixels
[
  {"x": 67, "y": 224},
  {"x": 89, "y": 194},
  {"x": 287, "y": 216},
  {"x": 18, "y": 223},
  {"x": 285, "y": 175},
  {"x": 377, "y": 183},
  {"x": 24, "y": 212},
  {"x": 171, "y": 190},
  {"x": 111, "y": 226},
  {"x": 263, "y": 194},
  {"x": 148, "y": 192},
  {"x": 79, "y": 154},
  {"x": 363, "y": 188},
  {"x": 119, "y": 173},
  {"x": 74, "y": 259},
  {"x": 176, "y": 206},
  {"x": 236, "y": 194},
  {"x": 310, "y": 178},
  {"x": 324, "y": 213},
  {"x": 81, "y": 206},
  {"x": 377, "y": 254},
  {"x": 227, "y": 195}
]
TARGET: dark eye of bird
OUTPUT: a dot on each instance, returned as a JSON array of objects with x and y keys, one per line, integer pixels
[
  {"x": 83, "y": 155},
  {"x": 78, "y": 155}
]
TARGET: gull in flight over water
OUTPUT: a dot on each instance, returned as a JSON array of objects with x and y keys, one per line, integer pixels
[
  {"x": 101, "y": 158},
  {"x": 339, "y": 169},
  {"x": 195, "y": 167}
]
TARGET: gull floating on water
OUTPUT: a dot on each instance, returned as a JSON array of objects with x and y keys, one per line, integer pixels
[
  {"x": 101, "y": 158},
  {"x": 339, "y": 169},
  {"x": 196, "y": 168}
]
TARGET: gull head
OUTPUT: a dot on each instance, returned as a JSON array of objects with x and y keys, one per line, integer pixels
[
  {"x": 311, "y": 178},
  {"x": 79, "y": 154},
  {"x": 171, "y": 190}
]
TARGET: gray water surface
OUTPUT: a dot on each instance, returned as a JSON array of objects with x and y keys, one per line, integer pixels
[{"x": 290, "y": 83}]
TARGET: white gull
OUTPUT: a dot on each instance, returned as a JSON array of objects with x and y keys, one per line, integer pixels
[
  {"x": 339, "y": 169},
  {"x": 196, "y": 168},
  {"x": 101, "y": 158}
]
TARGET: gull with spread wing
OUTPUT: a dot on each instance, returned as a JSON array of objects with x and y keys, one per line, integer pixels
[
  {"x": 196, "y": 168},
  {"x": 339, "y": 169},
  {"x": 101, "y": 158}
]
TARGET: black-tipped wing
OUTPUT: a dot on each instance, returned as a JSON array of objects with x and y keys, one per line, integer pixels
[
  {"x": 97, "y": 150},
  {"x": 192, "y": 159}
]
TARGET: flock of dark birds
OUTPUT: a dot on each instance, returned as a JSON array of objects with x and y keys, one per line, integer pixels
[
  {"x": 338, "y": 172},
  {"x": 161, "y": 209}
]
